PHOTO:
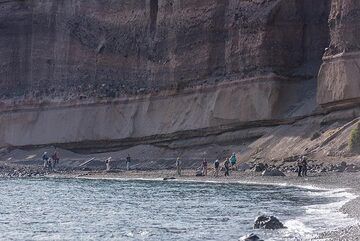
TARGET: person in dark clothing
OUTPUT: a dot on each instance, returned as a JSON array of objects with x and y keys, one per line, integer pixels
[
  {"x": 304, "y": 167},
  {"x": 204, "y": 167},
  {"x": 45, "y": 159},
  {"x": 300, "y": 166},
  {"x": 128, "y": 160},
  {"x": 227, "y": 167},
  {"x": 178, "y": 166},
  {"x": 216, "y": 166},
  {"x": 55, "y": 158}
]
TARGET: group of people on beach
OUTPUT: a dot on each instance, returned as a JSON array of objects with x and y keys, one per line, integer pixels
[
  {"x": 230, "y": 163},
  {"x": 109, "y": 167},
  {"x": 203, "y": 170},
  {"x": 50, "y": 162}
]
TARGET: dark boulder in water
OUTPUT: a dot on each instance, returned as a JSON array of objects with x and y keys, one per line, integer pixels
[
  {"x": 268, "y": 222},
  {"x": 251, "y": 237}
]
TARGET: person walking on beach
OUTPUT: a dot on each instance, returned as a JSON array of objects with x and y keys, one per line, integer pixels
[
  {"x": 55, "y": 157},
  {"x": 216, "y": 167},
  {"x": 304, "y": 167},
  {"x": 51, "y": 164},
  {"x": 108, "y": 164},
  {"x": 204, "y": 167},
  {"x": 45, "y": 159},
  {"x": 128, "y": 160},
  {"x": 178, "y": 166},
  {"x": 227, "y": 167},
  {"x": 233, "y": 160},
  {"x": 300, "y": 166}
]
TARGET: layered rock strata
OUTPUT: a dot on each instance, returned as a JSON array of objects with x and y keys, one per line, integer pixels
[
  {"x": 78, "y": 71},
  {"x": 339, "y": 76}
]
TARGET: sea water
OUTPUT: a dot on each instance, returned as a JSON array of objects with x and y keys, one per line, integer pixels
[{"x": 76, "y": 209}]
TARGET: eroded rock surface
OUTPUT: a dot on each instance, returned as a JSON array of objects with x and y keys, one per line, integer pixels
[
  {"x": 268, "y": 222},
  {"x": 80, "y": 71},
  {"x": 338, "y": 80}
]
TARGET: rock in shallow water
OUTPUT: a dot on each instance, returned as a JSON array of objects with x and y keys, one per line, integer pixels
[
  {"x": 250, "y": 237},
  {"x": 268, "y": 222}
]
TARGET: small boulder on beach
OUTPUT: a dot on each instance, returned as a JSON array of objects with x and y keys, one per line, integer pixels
[
  {"x": 273, "y": 173},
  {"x": 340, "y": 167},
  {"x": 259, "y": 167},
  {"x": 244, "y": 167},
  {"x": 352, "y": 168},
  {"x": 169, "y": 178},
  {"x": 268, "y": 222}
]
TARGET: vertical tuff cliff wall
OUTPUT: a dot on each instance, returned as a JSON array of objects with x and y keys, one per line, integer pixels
[
  {"x": 110, "y": 48},
  {"x": 339, "y": 80},
  {"x": 110, "y": 70}
]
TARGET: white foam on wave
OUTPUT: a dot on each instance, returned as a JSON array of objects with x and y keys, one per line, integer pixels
[
  {"x": 296, "y": 226},
  {"x": 120, "y": 178},
  {"x": 301, "y": 228},
  {"x": 316, "y": 215}
]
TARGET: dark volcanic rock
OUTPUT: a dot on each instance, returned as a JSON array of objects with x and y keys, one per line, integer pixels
[
  {"x": 243, "y": 167},
  {"x": 340, "y": 167},
  {"x": 352, "y": 168},
  {"x": 169, "y": 178},
  {"x": 268, "y": 222},
  {"x": 251, "y": 237},
  {"x": 259, "y": 167}
]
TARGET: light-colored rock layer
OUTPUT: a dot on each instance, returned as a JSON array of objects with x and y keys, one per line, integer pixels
[
  {"x": 339, "y": 76},
  {"x": 264, "y": 98},
  {"x": 339, "y": 79}
]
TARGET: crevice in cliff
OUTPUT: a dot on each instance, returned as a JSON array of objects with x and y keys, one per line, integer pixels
[{"x": 154, "y": 8}]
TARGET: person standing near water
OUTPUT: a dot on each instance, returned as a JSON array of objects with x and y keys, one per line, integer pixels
[
  {"x": 178, "y": 166},
  {"x": 204, "y": 167},
  {"x": 300, "y": 166},
  {"x": 227, "y": 167},
  {"x": 108, "y": 164},
  {"x": 45, "y": 159},
  {"x": 128, "y": 160},
  {"x": 55, "y": 157},
  {"x": 304, "y": 167},
  {"x": 216, "y": 167},
  {"x": 233, "y": 159}
]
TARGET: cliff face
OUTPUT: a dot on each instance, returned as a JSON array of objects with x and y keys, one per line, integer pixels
[
  {"x": 338, "y": 80},
  {"x": 79, "y": 70},
  {"x": 106, "y": 48}
]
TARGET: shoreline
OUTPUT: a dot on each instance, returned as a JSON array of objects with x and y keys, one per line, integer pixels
[{"x": 346, "y": 182}]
